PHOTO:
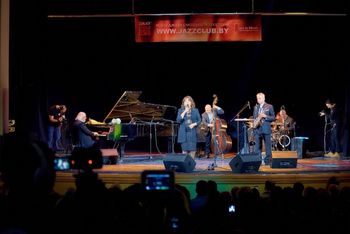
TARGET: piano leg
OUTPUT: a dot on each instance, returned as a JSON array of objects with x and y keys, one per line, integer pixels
[
  {"x": 121, "y": 151},
  {"x": 170, "y": 145}
]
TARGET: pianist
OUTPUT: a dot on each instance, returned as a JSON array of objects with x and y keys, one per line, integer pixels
[{"x": 81, "y": 135}]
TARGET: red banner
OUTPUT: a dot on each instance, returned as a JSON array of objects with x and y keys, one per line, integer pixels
[{"x": 177, "y": 28}]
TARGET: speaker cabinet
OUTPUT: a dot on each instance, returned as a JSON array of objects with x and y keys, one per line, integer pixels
[
  {"x": 245, "y": 163},
  {"x": 110, "y": 156},
  {"x": 179, "y": 162},
  {"x": 284, "y": 159}
]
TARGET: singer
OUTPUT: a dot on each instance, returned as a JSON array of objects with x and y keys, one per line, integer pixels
[{"x": 189, "y": 118}]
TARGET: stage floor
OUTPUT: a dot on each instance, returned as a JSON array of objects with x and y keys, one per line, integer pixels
[
  {"x": 138, "y": 162},
  {"x": 311, "y": 172}
]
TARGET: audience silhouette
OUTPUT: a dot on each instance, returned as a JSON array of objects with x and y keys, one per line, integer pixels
[{"x": 29, "y": 203}]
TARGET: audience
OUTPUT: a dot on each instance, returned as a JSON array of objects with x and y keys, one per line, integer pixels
[{"x": 29, "y": 204}]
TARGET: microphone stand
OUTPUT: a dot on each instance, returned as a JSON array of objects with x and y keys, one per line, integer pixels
[
  {"x": 325, "y": 134},
  {"x": 216, "y": 143},
  {"x": 171, "y": 147},
  {"x": 235, "y": 117},
  {"x": 150, "y": 138}
]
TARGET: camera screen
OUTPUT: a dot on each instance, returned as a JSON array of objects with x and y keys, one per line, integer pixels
[
  {"x": 231, "y": 209},
  {"x": 157, "y": 180},
  {"x": 61, "y": 164}
]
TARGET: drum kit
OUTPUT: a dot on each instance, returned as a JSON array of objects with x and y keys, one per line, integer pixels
[{"x": 280, "y": 137}]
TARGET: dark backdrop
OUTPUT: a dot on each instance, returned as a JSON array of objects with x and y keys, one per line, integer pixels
[{"x": 87, "y": 63}]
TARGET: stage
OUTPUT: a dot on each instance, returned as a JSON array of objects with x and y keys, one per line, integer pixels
[{"x": 313, "y": 172}]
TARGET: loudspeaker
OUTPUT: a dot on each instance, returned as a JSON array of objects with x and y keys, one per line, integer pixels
[
  {"x": 110, "y": 156},
  {"x": 245, "y": 163},
  {"x": 179, "y": 162},
  {"x": 284, "y": 159}
]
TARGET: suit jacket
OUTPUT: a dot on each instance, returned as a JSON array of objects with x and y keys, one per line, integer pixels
[
  {"x": 334, "y": 117},
  {"x": 265, "y": 127},
  {"x": 205, "y": 116},
  {"x": 288, "y": 123},
  {"x": 183, "y": 130},
  {"x": 82, "y": 136}
]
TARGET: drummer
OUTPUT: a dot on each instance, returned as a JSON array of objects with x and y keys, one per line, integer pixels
[
  {"x": 283, "y": 130},
  {"x": 284, "y": 124}
]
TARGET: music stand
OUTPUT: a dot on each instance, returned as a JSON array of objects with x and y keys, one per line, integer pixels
[
  {"x": 237, "y": 119},
  {"x": 245, "y": 150}
]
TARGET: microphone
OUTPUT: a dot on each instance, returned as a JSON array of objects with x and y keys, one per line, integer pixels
[{"x": 248, "y": 103}]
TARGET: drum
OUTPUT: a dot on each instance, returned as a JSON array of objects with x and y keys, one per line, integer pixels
[
  {"x": 275, "y": 136},
  {"x": 284, "y": 141}
]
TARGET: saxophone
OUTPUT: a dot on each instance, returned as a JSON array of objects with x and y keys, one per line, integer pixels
[{"x": 258, "y": 121}]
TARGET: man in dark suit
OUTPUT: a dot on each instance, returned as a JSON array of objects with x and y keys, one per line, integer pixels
[
  {"x": 207, "y": 119},
  {"x": 263, "y": 115},
  {"x": 82, "y": 136}
]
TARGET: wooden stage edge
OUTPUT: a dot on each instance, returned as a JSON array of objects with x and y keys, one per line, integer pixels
[{"x": 126, "y": 174}]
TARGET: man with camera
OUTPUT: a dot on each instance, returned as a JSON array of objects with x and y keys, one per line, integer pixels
[{"x": 56, "y": 114}]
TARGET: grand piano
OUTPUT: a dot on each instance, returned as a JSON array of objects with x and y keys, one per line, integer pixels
[{"x": 138, "y": 119}]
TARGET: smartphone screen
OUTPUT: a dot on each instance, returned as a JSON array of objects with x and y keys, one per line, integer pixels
[
  {"x": 231, "y": 209},
  {"x": 61, "y": 164},
  {"x": 157, "y": 180}
]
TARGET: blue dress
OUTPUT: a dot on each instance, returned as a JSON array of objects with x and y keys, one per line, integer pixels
[{"x": 187, "y": 137}]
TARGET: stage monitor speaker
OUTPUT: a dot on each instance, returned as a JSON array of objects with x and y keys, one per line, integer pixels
[
  {"x": 284, "y": 159},
  {"x": 179, "y": 162},
  {"x": 245, "y": 163}
]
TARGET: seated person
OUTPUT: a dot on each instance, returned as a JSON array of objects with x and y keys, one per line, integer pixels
[
  {"x": 285, "y": 123},
  {"x": 82, "y": 136},
  {"x": 284, "y": 130}
]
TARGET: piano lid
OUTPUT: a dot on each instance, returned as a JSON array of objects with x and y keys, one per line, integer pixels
[{"x": 129, "y": 108}]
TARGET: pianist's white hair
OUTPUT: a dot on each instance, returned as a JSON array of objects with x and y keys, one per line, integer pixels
[{"x": 81, "y": 116}]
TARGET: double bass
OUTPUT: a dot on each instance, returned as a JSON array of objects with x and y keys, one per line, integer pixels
[{"x": 221, "y": 142}]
